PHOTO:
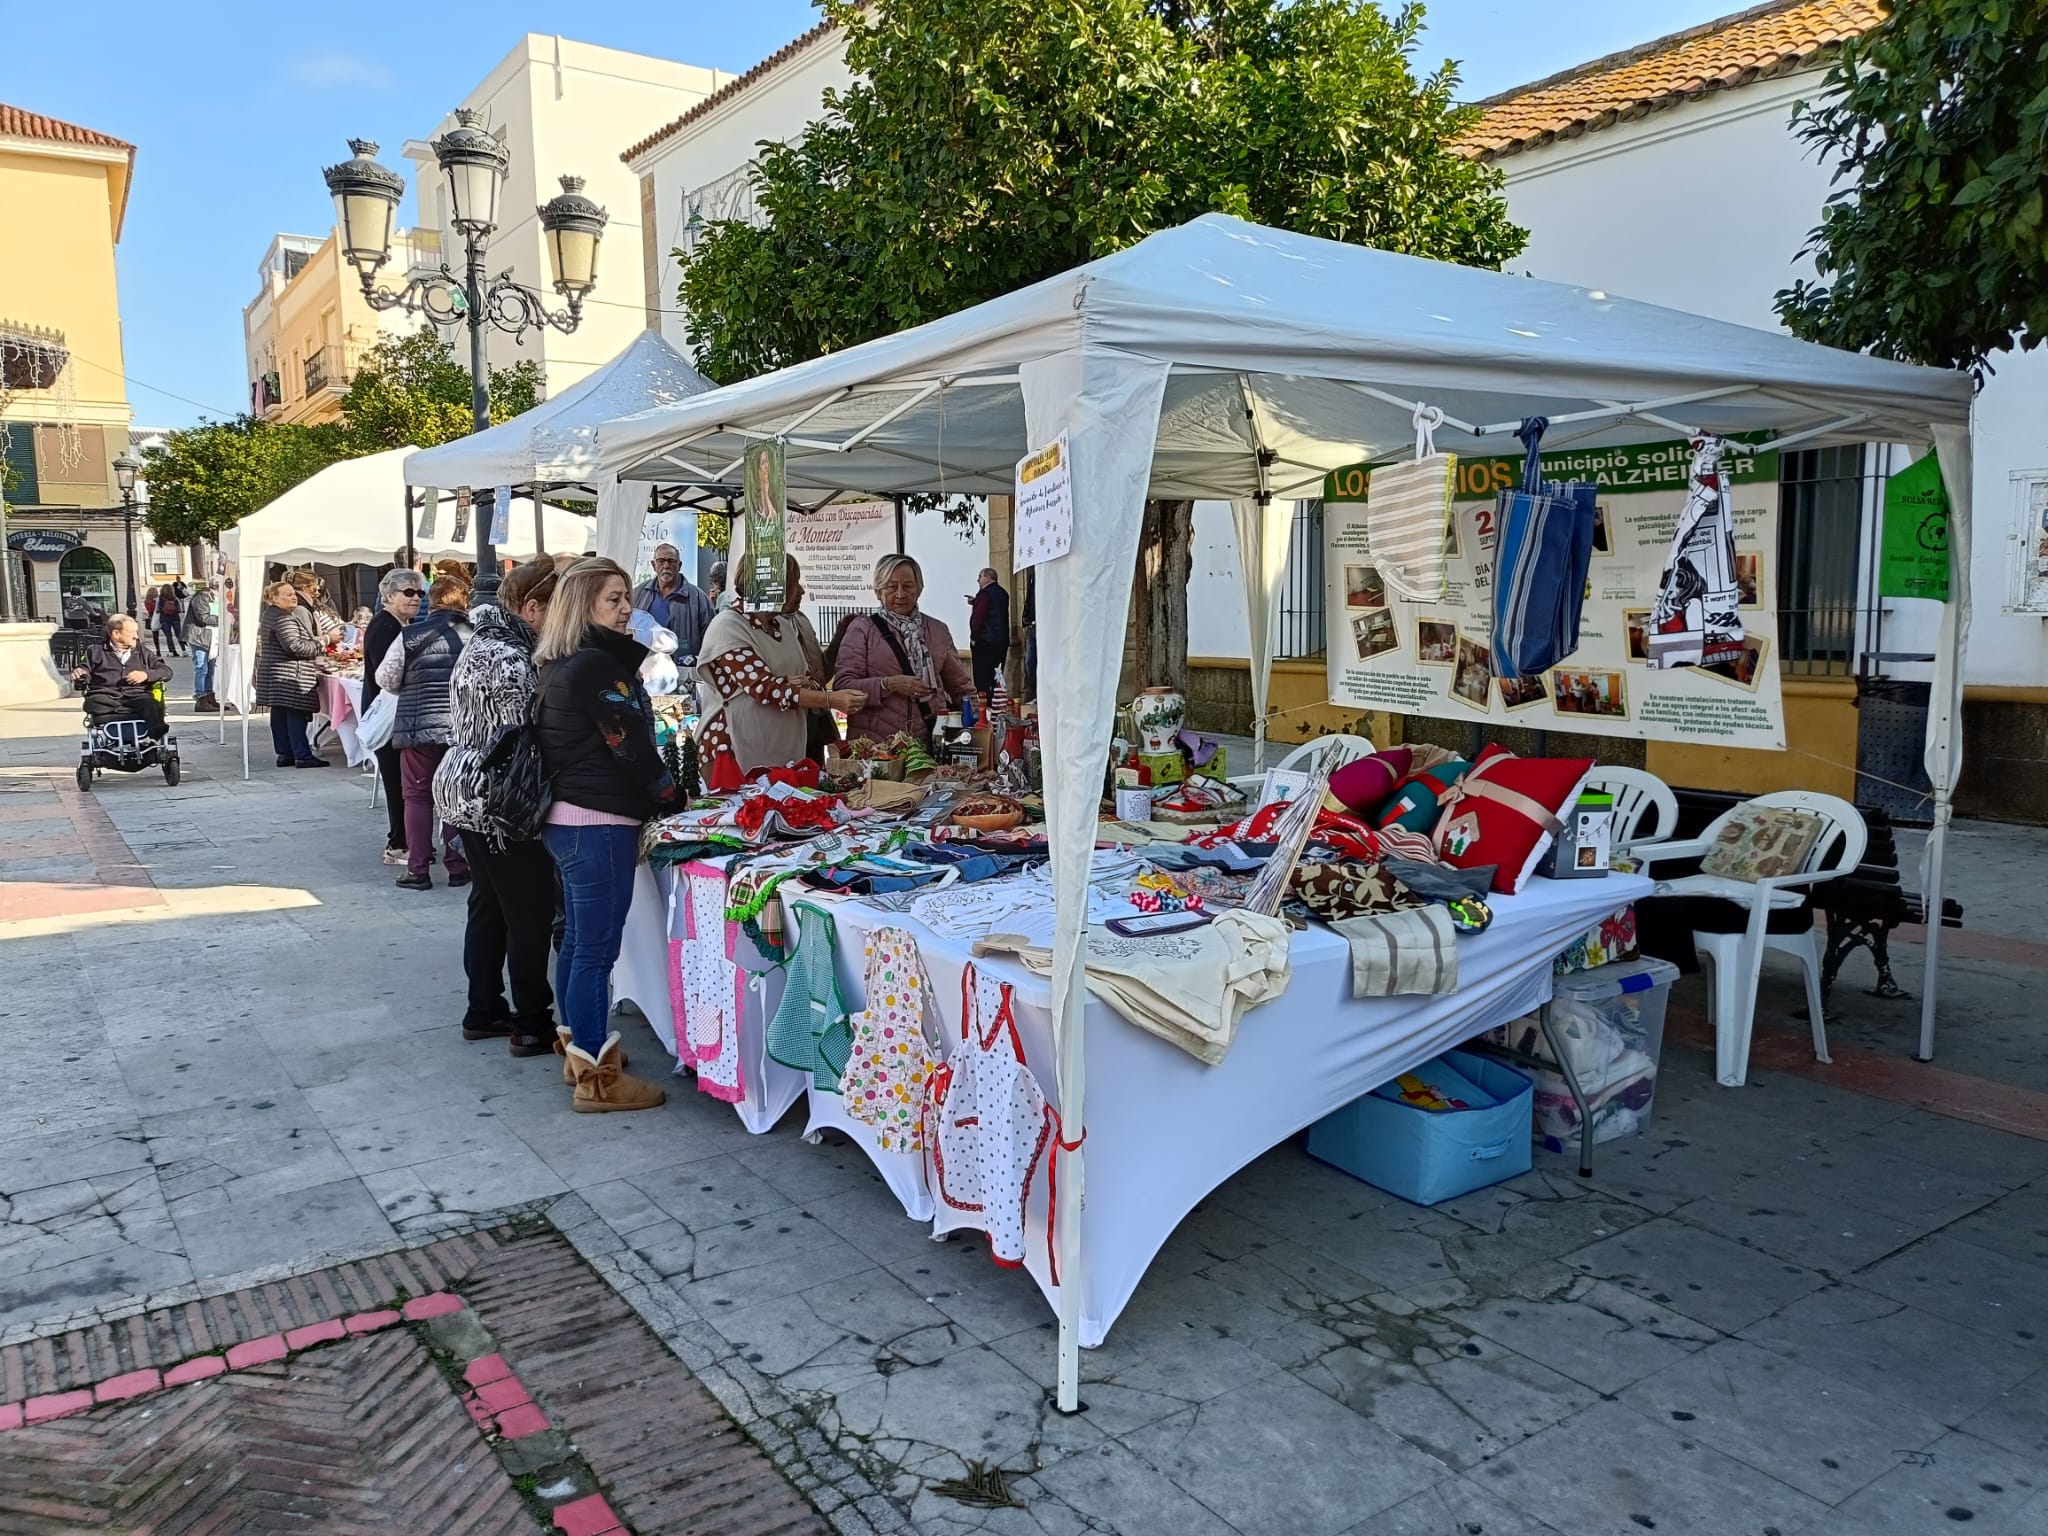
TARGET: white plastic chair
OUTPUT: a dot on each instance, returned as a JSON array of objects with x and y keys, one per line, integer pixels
[
  {"x": 1353, "y": 748},
  {"x": 1636, "y": 794},
  {"x": 1734, "y": 961}
]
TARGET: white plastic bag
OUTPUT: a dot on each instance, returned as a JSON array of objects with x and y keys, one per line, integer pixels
[{"x": 375, "y": 727}]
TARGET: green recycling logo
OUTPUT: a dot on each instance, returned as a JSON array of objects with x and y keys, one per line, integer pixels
[{"x": 1932, "y": 535}]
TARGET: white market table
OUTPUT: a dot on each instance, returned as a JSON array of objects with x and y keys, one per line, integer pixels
[
  {"x": 1163, "y": 1130},
  {"x": 341, "y": 701}
]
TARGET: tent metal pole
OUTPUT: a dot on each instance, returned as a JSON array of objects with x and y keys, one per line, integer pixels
[
  {"x": 1262, "y": 464},
  {"x": 540, "y": 531},
  {"x": 412, "y": 559}
]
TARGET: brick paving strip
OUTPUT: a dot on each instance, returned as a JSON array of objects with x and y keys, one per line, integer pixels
[
  {"x": 68, "y": 825},
  {"x": 486, "y": 1383}
]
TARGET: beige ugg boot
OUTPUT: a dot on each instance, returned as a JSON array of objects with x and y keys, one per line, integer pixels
[
  {"x": 564, "y": 1038},
  {"x": 603, "y": 1085}
]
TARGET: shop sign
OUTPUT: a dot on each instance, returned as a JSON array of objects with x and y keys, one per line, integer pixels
[{"x": 43, "y": 543}]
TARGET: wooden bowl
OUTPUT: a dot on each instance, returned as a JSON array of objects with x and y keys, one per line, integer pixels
[{"x": 995, "y": 821}]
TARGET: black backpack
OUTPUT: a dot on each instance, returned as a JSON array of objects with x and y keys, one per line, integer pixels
[{"x": 514, "y": 796}]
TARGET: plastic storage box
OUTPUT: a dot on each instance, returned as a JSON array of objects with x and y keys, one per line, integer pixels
[
  {"x": 1609, "y": 1022},
  {"x": 1429, "y": 1156}
]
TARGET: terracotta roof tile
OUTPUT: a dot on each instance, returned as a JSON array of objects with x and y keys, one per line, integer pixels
[
  {"x": 732, "y": 88},
  {"x": 1751, "y": 45},
  {"x": 20, "y": 124}
]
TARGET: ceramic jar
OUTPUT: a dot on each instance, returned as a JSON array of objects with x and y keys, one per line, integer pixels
[{"x": 1158, "y": 714}]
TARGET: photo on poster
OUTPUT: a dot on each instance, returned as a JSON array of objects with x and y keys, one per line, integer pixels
[
  {"x": 1521, "y": 692},
  {"x": 1363, "y": 587},
  {"x": 1590, "y": 693},
  {"x": 1374, "y": 634},
  {"x": 1603, "y": 530},
  {"x": 1746, "y": 670},
  {"x": 1436, "y": 642},
  {"x": 1748, "y": 580},
  {"x": 1472, "y": 679},
  {"x": 1636, "y": 622}
]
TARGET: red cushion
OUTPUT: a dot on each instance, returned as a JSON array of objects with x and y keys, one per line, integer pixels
[
  {"x": 1481, "y": 828},
  {"x": 1362, "y": 787}
]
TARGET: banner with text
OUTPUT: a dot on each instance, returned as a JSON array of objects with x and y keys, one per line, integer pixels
[
  {"x": 1434, "y": 659},
  {"x": 765, "y": 521},
  {"x": 836, "y": 548}
]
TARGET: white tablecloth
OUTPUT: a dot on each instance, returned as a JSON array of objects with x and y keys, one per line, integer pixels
[{"x": 1163, "y": 1130}]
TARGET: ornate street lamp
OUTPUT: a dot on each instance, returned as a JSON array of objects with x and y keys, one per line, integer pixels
[
  {"x": 474, "y": 161},
  {"x": 125, "y": 469}
]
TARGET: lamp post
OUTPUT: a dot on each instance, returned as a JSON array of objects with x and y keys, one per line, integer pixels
[
  {"x": 124, "y": 475},
  {"x": 473, "y": 159}
]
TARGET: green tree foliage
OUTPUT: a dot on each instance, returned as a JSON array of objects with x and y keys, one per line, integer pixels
[
  {"x": 207, "y": 478},
  {"x": 987, "y": 144},
  {"x": 1935, "y": 248},
  {"x": 414, "y": 390}
]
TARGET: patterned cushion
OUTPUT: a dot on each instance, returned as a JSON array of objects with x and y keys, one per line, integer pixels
[
  {"x": 1506, "y": 812},
  {"x": 1761, "y": 842},
  {"x": 1362, "y": 787},
  {"x": 1413, "y": 804}
]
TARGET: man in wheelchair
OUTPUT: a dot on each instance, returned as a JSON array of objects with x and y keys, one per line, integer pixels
[{"x": 122, "y": 677}]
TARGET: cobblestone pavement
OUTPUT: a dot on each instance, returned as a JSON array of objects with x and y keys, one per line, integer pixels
[{"x": 1814, "y": 1305}]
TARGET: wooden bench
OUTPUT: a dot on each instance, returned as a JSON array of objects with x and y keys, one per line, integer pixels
[{"x": 1860, "y": 909}]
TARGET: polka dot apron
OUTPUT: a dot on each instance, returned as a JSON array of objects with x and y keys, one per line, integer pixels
[{"x": 884, "y": 1083}]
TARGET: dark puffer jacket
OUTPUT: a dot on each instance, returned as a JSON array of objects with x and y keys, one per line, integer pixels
[
  {"x": 596, "y": 730},
  {"x": 425, "y": 711},
  {"x": 287, "y": 676}
]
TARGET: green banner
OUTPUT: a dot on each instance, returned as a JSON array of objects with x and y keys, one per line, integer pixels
[
  {"x": 1914, "y": 555},
  {"x": 766, "y": 566},
  {"x": 1643, "y": 467}
]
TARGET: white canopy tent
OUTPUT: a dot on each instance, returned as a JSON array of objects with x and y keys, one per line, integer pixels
[
  {"x": 1222, "y": 359},
  {"x": 554, "y": 445},
  {"x": 351, "y": 513}
]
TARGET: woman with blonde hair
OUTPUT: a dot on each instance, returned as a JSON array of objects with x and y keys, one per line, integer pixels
[
  {"x": 287, "y": 675},
  {"x": 596, "y": 732},
  {"x": 901, "y": 659}
]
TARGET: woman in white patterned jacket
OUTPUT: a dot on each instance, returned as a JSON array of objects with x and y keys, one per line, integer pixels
[{"x": 512, "y": 889}]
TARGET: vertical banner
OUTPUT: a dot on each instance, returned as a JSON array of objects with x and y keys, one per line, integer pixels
[
  {"x": 501, "y": 516},
  {"x": 461, "y": 533},
  {"x": 423, "y": 530},
  {"x": 1435, "y": 658},
  {"x": 766, "y": 517},
  {"x": 837, "y": 546},
  {"x": 1913, "y": 556},
  {"x": 1045, "y": 505}
]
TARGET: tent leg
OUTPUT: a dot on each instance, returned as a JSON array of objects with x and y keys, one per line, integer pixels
[
  {"x": 1069, "y": 1397},
  {"x": 540, "y": 532},
  {"x": 1930, "y": 980}
]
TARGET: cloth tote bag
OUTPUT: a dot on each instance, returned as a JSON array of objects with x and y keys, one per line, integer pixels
[
  {"x": 1543, "y": 545},
  {"x": 1697, "y": 621},
  {"x": 1408, "y": 514}
]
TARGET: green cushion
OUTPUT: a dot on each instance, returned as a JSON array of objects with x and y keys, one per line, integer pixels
[{"x": 1415, "y": 801}]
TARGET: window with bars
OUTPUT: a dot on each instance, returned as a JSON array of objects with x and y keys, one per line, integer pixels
[
  {"x": 1821, "y": 499},
  {"x": 1302, "y": 627}
]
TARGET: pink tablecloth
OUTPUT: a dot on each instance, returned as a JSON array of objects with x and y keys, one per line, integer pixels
[{"x": 341, "y": 701}]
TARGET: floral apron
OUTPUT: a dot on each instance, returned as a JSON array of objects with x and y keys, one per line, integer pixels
[{"x": 886, "y": 1073}]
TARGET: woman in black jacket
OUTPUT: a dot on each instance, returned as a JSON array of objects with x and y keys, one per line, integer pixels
[
  {"x": 596, "y": 732},
  {"x": 399, "y": 592}
]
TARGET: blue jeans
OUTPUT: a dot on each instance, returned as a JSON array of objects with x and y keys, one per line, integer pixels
[
  {"x": 202, "y": 671},
  {"x": 597, "y": 888}
]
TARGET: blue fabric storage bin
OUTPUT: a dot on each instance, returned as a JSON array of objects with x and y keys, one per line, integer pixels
[{"x": 1429, "y": 1156}]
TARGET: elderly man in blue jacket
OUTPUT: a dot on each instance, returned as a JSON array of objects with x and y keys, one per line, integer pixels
[{"x": 673, "y": 602}]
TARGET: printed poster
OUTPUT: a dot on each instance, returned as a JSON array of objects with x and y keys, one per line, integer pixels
[
  {"x": 1913, "y": 556},
  {"x": 766, "y": 515},
  {"x": 836, "y": 548},
  {"x": 501, "y": 516},
  {"x": 1045, "y": 504},
  {"x": 1433, "y": 659}
]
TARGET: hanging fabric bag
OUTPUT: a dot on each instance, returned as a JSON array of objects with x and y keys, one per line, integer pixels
[
  {"x": 1543, "y": 546},
  {"x": 886, "y": 1073},
  {"x": 1697, "y": 621},
  {"x": 1408, "y": 513}
]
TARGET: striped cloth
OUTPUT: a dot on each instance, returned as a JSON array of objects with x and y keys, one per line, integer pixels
[
  {"x": 1407, "y": 518},
  {"x": 1402, "y": 954}
]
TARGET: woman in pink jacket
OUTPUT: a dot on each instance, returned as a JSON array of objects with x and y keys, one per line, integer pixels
[{"x": 903, "y": 660}]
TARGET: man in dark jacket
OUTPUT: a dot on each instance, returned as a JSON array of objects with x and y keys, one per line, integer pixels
[
  {"x": 672, "y": 600},
  {"x": 120, "y": 675},
  {"x": 988, "y": 630}
]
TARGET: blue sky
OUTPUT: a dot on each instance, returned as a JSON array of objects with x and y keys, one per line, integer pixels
[{"x": 235, "y": 107}]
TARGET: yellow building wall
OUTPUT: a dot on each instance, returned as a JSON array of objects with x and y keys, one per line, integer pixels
[
  {"x": 1820, "y": 748},
  {"x": 322, "y": 306},
  {"x": 57, "y": 272}
]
